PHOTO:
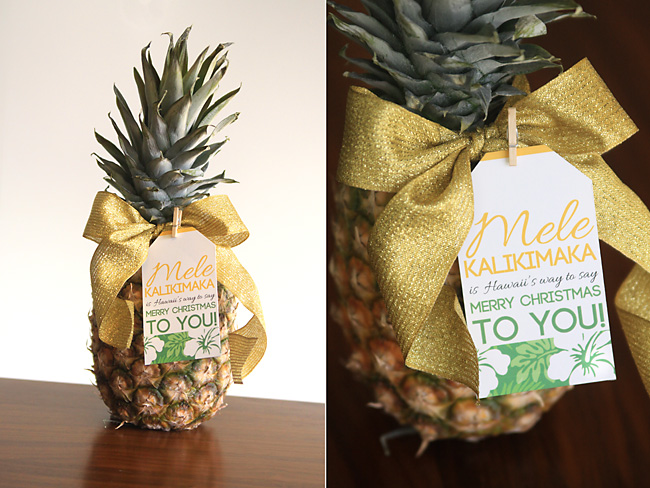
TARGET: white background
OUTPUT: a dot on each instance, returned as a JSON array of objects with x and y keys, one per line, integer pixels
[{"x": 59, "y": 62}]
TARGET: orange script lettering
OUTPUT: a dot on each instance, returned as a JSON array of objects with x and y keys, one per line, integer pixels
[
  {"x": 193, "y": 272},
  {"x": 561, "y": 230}
]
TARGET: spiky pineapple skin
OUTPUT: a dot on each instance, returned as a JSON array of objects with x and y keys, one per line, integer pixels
[
  {"x": 172, "y": 396},
  {"x": 437, "y": 408}
]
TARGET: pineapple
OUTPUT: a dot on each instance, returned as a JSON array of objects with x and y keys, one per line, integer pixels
[
  {"x": 452, "y": 62},
  {"x": 437, "y": 408},
  {"x": 159, "y": 166}
]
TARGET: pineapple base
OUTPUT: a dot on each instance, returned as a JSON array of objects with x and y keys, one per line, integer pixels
[
  {"x": 437, "y": 408},
  {"x": 172, "y": 396}
]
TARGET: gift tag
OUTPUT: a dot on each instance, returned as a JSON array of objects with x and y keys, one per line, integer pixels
[
  {"x": 180, "y": 301},
  {"x": 532, "y": 278}
]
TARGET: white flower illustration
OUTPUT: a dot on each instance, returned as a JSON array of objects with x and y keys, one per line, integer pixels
[
  {"x": 152, "y": 346},
  {"x": 491, "y": 362},
  {"x": 584, "y": 361},
  {"x": 205, "y": 343}
]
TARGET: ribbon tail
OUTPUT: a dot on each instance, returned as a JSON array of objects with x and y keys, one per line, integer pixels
[
  {"x": 115, "y": 260},
  {"x": 412, "y": 248},
  {"x": 455, "y": 353},
  {"x": 624, "y": 224},
  {"x": 120, "y": 335},
  {"x": 123, "y": 237},
  {"x": 633, "y": 307},
  {"x": 247, "y": 344},
  {"x": 623, "y": 219}
]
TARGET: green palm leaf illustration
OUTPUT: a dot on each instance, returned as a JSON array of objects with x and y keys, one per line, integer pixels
[
  {"x": 533, "y": 359},
  {"x": 173, "y": 348},
  {"x": 528, "y": 367}
]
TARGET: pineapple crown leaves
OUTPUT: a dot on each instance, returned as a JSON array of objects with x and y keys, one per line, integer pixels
[
  {"x": 160, "y": 162},
  {"x": 451, "y": 61}
]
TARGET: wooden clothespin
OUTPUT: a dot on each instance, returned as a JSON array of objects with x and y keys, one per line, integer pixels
[
  {"x": 512, "y": 136},
  {"x": 176, "y": 221}
]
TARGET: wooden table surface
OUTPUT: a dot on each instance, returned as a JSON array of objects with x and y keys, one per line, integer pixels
[
  {"x": 598, "y": 435},
  {"x": 58, "y": 435}
]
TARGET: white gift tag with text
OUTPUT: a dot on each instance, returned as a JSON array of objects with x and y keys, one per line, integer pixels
[
  {"x": 180, "y": 301},
  {"x": 533, "y": 289}
]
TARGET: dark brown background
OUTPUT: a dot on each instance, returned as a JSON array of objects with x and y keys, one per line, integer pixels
[{"x": 598, "y": 435}]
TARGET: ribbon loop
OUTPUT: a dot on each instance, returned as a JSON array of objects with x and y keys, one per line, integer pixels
[
  {"x": 216, "y": 218},
  {"x": 385, "y": 146},
  {"x": 574, "y": 113},
  {"x": 419, "y": 234},
  {"x": 109, "y": 214}
]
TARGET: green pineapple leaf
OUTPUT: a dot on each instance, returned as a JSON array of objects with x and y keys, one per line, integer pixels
[
  {"x": 449, "y": 61},
  {"x": 529, "y": 26},
  {"x": 178, "y": 118}
]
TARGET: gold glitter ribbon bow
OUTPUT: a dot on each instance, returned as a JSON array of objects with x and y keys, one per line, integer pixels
[
  {"x": 124, "y": 236},
  {"x": 420, "y": 232}
]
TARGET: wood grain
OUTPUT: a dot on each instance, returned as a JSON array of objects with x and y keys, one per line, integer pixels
[
  {"x": 599, "y": 434},
  {"x": 58, "y": 435}
]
